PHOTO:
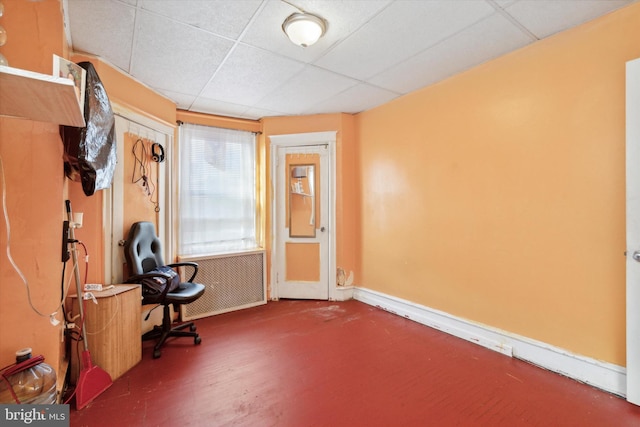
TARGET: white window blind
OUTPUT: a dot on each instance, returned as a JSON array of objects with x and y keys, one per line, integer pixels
[{"x": 217, "y": 190}]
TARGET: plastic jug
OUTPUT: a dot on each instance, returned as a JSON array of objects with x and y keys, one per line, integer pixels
[{"x": 29, "y": 381}]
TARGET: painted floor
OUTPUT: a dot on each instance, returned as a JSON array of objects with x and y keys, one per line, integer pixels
[{"x": 320, "y": 363}]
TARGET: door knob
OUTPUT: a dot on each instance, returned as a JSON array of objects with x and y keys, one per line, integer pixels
[
  {"x": 322, "y": 230},
  {"x": 636, "y": 256}
]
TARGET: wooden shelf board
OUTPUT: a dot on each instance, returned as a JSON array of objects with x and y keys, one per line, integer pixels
[{"x": 39, "y": 97}]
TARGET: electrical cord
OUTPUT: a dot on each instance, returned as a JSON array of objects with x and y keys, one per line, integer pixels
[
  {"x": 76, "y": 334},
  {"x": 86, "y": 260},
  {"x": 80, "y": 299},
  {"x": 140, "y": 165},
  {"x": 149, "y": 313},
  {"x": 113, "y": 316},
  {"x": 141, "y": 169},
  {"x": 62, "y": 294},
  {"x": 65, "y": 292},
  {"x": 11, "y": 261}
]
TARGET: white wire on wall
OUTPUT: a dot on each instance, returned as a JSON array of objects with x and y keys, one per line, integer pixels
[{"x": 53, "y": 315}]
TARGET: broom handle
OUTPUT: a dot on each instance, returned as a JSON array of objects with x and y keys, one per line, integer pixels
[{"x": 76, "y": 272}]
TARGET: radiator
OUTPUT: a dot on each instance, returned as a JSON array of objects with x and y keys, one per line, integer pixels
[{"x": 232, "y": 282}]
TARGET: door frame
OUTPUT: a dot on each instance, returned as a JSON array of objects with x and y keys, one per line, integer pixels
[
  {"x": 113, "y": 203},
  {"x": 633, "y": 229},
  {"x": 301, "y": 140}
]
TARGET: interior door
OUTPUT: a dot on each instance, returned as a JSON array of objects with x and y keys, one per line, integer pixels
[
  {"x": 633, "y": 231},
  {"x": 302, "y": 222},
  {"x": 139, "y": 188}
]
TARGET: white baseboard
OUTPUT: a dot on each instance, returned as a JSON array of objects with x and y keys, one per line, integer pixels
[
  {"x": 603, "y": 375},
  {"x": 343, "y": 293}
]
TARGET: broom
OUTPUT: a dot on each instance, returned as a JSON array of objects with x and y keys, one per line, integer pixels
[{"x": 92, "y": 380}]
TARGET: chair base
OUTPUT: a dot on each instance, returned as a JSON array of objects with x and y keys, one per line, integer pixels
[{"x": 162, "y": 333}]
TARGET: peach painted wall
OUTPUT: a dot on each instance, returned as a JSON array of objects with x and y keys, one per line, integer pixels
[
  {"x": 35, "y": 185},
  {"x": 498, "y": 195},
  {"x": 346, "y": 199},
  {"x": 348, "y": 209}
]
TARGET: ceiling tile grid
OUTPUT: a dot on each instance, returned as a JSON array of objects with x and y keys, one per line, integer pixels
[
  {"x": 399, "y": 32},
  {"x": 249, "y": 74},
  {"x": 231, "y": 57},
  {"x": 94, "y": 30},
  {"x": 310, "y": 86},
  {"x": 547, "y": 17},
  {"x": 353, "y": 100},
  {"x": 164, "y": 52},
  {"x": 223, "y": 18},
  {"x": 480, "y": 42}
]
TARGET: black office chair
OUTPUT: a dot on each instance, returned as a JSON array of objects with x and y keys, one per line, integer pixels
[{"x": 143, "y": 252}]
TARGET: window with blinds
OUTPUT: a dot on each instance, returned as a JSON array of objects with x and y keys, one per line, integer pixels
[{"x": 216, "y": 190}]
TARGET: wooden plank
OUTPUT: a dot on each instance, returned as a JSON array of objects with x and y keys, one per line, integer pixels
[{"x": 35, "y": 96}]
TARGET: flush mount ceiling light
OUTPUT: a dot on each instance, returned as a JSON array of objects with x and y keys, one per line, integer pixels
[{"x": 304, "y": 29}]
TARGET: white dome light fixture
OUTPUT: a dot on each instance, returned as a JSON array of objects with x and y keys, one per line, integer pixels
[{"x": 304, "y": 29}]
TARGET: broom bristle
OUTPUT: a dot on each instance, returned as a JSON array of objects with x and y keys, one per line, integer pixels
[{"x": 91, "y": 383}]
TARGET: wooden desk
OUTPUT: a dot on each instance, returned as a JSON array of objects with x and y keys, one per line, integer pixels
[{"x": 113, "y": 330}]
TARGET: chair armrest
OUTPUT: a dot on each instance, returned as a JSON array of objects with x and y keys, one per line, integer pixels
[{"x": 193, "y": 265}]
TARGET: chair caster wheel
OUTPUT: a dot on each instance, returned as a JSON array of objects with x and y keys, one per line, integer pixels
[
  {"x": 156, "y": 354},
  {"x": 192, "y": 328},
  {"x": 197, "y": 340}
]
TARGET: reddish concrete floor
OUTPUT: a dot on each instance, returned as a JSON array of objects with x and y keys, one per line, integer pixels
[{"x": 312, "y": 363}]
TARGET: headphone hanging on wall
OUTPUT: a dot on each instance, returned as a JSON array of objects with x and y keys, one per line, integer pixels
[{"x": 157, "y": 152}]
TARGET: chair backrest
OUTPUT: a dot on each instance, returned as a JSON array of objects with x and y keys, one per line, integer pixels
[{"x": 143, "y": 250}]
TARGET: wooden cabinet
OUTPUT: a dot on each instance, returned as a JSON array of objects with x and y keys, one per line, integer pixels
[{"x": 113, "y": 327}]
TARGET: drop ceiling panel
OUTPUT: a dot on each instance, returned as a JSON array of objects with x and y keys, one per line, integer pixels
[
  {"x": 504, "y": 3},
  {"x": 93, "y": 30},
  {"x": 401, "y": 30},
  {"x": 225, "y": 18},
  {"x": 165, "y": 51},
  {"x": 181, "y": 100},
  {"x": 354, "y": 100},
  {"x": 258, "y": 113},
  {"x": 249, "y": 74},
  {"x": 487, "y": 39},
  {"x": 546, "y": 17},
  {"x": 309, "y": 87},
  {"x": 202, "y": 105}
]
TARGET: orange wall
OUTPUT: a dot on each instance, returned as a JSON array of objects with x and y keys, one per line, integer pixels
[
  {"x": 498, "y": 195},
  {"x": 35, "y": 184},
  {"x": 348, "y": 207}
]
